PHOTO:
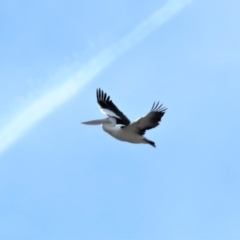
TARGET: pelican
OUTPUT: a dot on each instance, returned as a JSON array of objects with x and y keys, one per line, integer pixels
[{"x": 120, "y": 127}]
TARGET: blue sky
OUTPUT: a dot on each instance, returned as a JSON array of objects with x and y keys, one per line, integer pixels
[{"x": 63, "y": 180}]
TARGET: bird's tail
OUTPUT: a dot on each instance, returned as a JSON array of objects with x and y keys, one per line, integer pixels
[{"x": 150, "y": 142}]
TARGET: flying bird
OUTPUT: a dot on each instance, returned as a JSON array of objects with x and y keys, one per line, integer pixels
[{"x": 120, "y": 127}]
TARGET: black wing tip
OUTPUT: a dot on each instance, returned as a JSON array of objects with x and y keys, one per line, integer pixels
[
  {"x": 102, "y": 96},
  {"x": 156, "y": 107}
]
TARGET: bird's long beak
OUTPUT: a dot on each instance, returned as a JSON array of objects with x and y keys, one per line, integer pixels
[{"x": 97, "y": 122}]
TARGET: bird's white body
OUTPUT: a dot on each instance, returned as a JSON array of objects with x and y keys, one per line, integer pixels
[{"x": 119, "y": 132}]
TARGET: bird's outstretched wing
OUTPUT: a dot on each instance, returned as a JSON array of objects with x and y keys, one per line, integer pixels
[
  {"x": 151, "y": 120},
  {"x": 110, "y": 109}
]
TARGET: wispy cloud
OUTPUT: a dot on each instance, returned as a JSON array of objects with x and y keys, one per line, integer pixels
[{"x": 45, "y": 104}]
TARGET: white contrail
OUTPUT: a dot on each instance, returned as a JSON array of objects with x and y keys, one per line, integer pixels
[{"x": 45, "y": 104}]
